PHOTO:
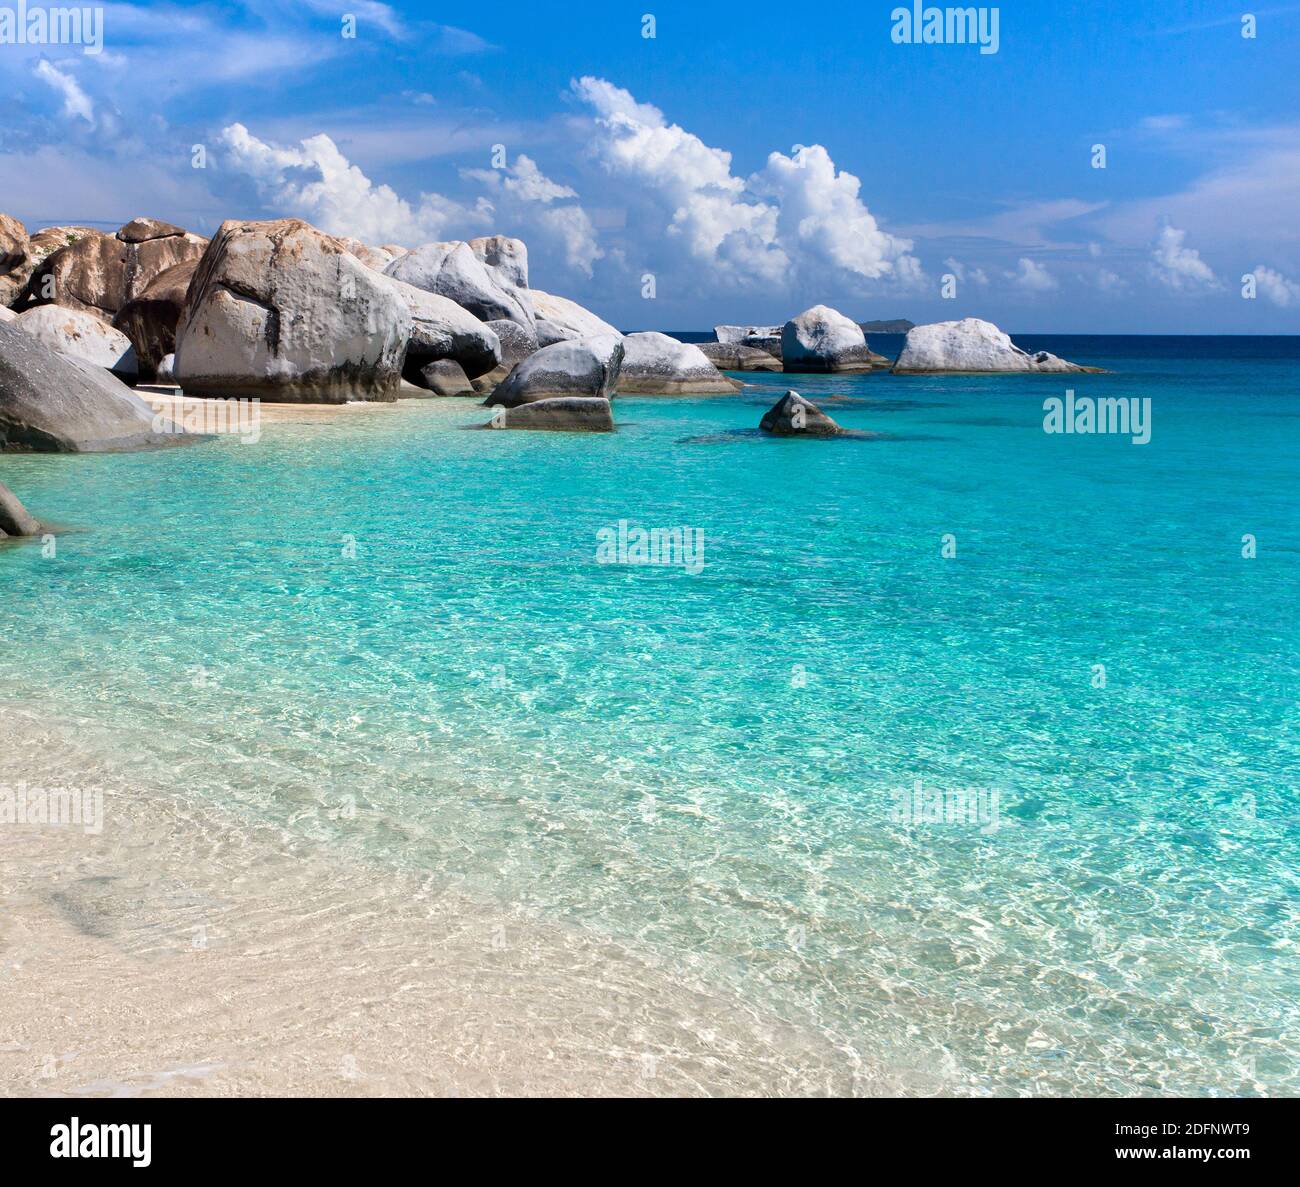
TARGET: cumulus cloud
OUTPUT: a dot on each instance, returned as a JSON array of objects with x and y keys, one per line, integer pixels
[
  {"x": 317, "y": 182},
  {"x": 1178, "y": 267},
  {"x": 519, "y": 190},
  {"x": 76, "y": 103},
  {"x": 798, "y": 217},
  {"x": 1032, "y": 277},
  {"x": 1276, "y": 287},
  {"x": 964, "y": 274}
]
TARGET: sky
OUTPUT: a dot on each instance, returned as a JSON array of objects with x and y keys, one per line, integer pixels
[{"x": 676, "y": 165}]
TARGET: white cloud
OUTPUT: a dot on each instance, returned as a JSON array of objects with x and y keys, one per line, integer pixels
[
  {"x": 1178, "y": 267},
  {"x": 1032, "y": 277},
  {"x": 797, "y": 218},
  {"x": 1110, "y": 282},
  {"x": 76, "y": 103},
  {"x": 316, "y": 182},
  {"x": 1276, "y": 287},
  {"x": 964, "y": 274}
]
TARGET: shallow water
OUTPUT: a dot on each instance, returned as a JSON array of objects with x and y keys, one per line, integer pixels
[{"x": 705, "y": 767}]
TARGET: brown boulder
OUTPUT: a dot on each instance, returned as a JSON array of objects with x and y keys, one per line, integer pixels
[
  {"x": 150, "y": 319},
  {"x": 15, "y": 247}
]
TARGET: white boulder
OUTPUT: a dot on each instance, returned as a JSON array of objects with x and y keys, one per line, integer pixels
[
  {"x": 441, "y": 329},
  {"x": 456, "y": 271},
  {"x": 583, "y": 367},
  {"x": 823, "y": 339},
  {"x": 82, "y": 335},
  {"x": 972, "y": 345},
  {"x": 280, "y": 311},
  {"x": 657, "y": 365},
  {"x": 567, "y": 317}
]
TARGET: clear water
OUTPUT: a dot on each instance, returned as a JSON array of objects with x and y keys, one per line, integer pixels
[{"x": 706, "y": 767}]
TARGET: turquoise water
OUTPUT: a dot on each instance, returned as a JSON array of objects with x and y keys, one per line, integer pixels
[{"x": 706, "y": 767}]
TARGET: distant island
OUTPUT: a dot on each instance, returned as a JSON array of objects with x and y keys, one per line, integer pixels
[{"x": 898, "y": 326}]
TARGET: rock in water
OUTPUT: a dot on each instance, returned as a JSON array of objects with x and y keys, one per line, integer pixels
[
  {"x": 657, "y": 365},
  {"x": 793, "y": 416},
  {"x": 453, "y": 270},
  {"x": 740, "y": 335},
  {"x": 564, "y": 414},
  {"x": 282, "y": 312},
  {"x": 446, "y": 377},
  {"x": 150, "y": 319},
  {"x": 14, "y": 520},
  {"x": 83, "y": 336},
  {"x": 53, "y": 403},
  {"x": 98, "y": 273},
  {"x": 165, "y": 372},
  {"x": 822, "y": 339},
  {"x": 567, "y": 318},
  {"x": 972, "y": 345},
  {"x": 584, "y": 367},
  {"x": 441, "y": 329},
  {"x": 734, "y": 356}
]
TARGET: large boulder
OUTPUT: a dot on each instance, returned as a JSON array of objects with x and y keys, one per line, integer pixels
[
  {"x": 823, "y": 339},
  {"x": 739, "y": 335},
  {"x": 14, "y": 520},
  {"x": 972, "y": 345},
  {"x": 456, "y": 271},
  {"x": 564, "y": 414},
  {"x": 793, "y": 416},
  {"x": 15, "y": 247},
  {"x": 565, "y": 319},
  {"x": 441, "y": 329},
  {"x": 657, "y": 365},
  {"x": 54, "y": 403},
  {"x": 280, "y": 311},
  {"x": 83, "y": 336},
  {"x": 583, "y": 367},
  {"x": 40, "y": 246},
  {"x": 376, "y": 258},
  {"x": 150, "y": 319},
  {"x": 734, "y": 356},
  {"x": 99, "y": 274},
  {"x": 517, "y": 343}
]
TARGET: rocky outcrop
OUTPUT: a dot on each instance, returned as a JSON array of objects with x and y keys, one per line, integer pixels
[
  {"x": 734, "y": 356},
  {"x": 150, "y": 319},
  {"x": 564, "y": 414},
  {"x": 566, "y": 318},
  {"x": 454, "y": 270},
  {"x": 282, "y": 312},
  {"x": 821, "y": 339},
  {"x": 657, "y": 365},
  {"x": 793, "y": 416},
  {"x": 99, "y": 273},
  {"x": 583, "y": 367},
  {"x": 15, "y": 247},
  {"x": 441, "y": 329},
  {"x": 83, "y": 336},
  {"x": 740, "y": 335},
  {"x": 53, "y": 403},
  {"x": 375, "y": 258},
  {"x": 40, "y": 246},
  {"x": 446, "y": 377},
  {"x": 972, "y": 345},
  {"x": 14, "y": 520},
  {"x": 517, "y": 343}
]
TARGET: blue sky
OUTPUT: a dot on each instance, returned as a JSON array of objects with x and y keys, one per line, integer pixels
[{"x": 617, "y": 156}]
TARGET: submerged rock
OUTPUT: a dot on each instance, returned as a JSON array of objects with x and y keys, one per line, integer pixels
[
  {"x": 54, "y": 403},
  {"x": 83, "y": 336},
  {"x": 584, "y": 367},
  {"x": 972, "y": 345},
  {"x": 282, "y": 312},
  {"x": 657, "y": 365},
  {"x": 14, "y": 520},
  {"x": 793, "y": 416},
  {"x": 822, "y": 339},
  {"x": 735, "y": 356},
  {"x": 566, "y": 414}
]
